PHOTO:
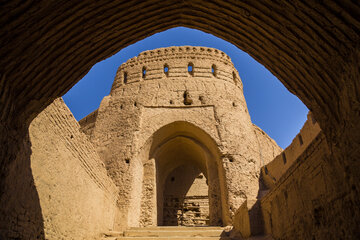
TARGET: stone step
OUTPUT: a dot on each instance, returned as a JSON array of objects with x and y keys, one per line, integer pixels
[
  {"x": 168, "y": 228},
  {"x": 173, "y": 233},
  {"x": 173, "y": 238}
]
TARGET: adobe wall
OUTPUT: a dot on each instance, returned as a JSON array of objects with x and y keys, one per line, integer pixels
[
  {"x": 20, "y": 211},
  {"x": 134, "y": 110},
  {"x": 87, "y": 124},
  {"x": 77, "y": 198},
  {"x": 305, "y": 193},
  {"x": 302, "y": 191},
  {"x": 282, "y": 162},
  {"x": 268, "y": 148}
]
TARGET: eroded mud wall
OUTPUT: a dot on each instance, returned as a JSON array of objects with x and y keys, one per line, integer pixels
[
  {"x": 77, "y": 198},
  {"x": 307, "y": 191}
]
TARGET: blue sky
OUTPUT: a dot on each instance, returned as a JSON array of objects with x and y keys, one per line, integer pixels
[{"x": 271, "y": 106}]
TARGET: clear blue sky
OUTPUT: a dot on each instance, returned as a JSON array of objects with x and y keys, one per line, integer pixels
[{"x": 271, "y": 106}]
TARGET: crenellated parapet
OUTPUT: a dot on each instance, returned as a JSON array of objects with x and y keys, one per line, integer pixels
[
  {"x": 177, "y": 62},
  {"x": 280, "y": 165}
]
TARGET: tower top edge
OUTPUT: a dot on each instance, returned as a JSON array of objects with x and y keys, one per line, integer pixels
[{"x": 179, "y": 50}]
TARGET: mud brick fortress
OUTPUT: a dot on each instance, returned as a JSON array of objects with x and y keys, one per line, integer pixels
[
  {"x": 172, "y": 145},
  {"x": 176, "y": 115},
  {"x": 172, "y": 151}
]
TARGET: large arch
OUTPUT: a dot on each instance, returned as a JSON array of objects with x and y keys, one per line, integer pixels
[
  {"x": 174, "y": 145},
  {"x": 63, "y": 41},
  {"x": 312, "y": 47}
]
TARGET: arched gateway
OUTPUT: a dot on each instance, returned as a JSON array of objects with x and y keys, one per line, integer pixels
[
  {"x": 184, "y": 167},
  {"x": 178, "y": 140}
]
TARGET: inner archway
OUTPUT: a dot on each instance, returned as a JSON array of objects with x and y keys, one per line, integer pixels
[
  {"x": 189, "y": 190},
  {"x": 185, "y": 198},
  {"x": 178, "y": 162}
]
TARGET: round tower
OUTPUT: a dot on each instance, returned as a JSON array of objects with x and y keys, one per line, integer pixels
[{"x": 179, "y": 113}]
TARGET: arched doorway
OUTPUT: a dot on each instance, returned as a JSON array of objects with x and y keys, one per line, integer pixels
[{"x": 187, "y": 175}]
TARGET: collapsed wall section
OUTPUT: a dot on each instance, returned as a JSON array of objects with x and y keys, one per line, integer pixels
[{"x": 77, "y": 198}]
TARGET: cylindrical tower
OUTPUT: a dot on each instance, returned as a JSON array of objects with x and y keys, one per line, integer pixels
[{"x": 176, "y": 106}]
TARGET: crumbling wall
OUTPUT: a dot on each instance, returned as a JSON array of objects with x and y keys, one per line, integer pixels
[{"x": 77, "y": 198}]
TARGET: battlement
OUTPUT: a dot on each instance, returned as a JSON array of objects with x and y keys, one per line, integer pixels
[
  {"x": 177, "y": 62},
  {"x": 204, "y": 51}
]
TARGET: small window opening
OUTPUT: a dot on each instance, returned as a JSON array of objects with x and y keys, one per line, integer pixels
[
  {"x": 213, "y": 70},
  {"x": 166, "y": 69},
  {"x": 191, "y": 68},
  {"x": 144, "y": 72},
  {"x": 234, "y": 78},
  {"x": 286, "y": 195},
  {"x": 135, "y": 104},
  {"x": 300, "y": 140},
  {"x": 284, "y": 157},
  {"x": 125, "y": 77},
  {"x": 127, "y": 160},
  {"x": 171, "y": 102},
  {"x": 172, "y": 179}
]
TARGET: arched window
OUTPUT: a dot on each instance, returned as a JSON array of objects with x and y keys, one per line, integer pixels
[
  {"x": 234, "y": 78},
  {"x": 191, "y": 68},
  {"x": 125, "y": 77},
  {"x": 144, "y": 72},
  {"x": 213, "y": 70},
  {"x": 166, "y": 69}
]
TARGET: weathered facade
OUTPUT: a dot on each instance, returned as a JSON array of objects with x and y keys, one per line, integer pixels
[
  {"x": 78, "y": 200},
  {"x": 172, "y": 114}
]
